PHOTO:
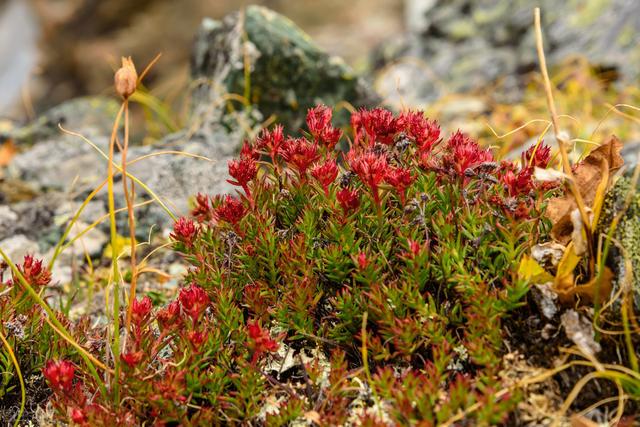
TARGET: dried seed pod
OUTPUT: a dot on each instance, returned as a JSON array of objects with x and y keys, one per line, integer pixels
[{"x": 126, "y": 78}]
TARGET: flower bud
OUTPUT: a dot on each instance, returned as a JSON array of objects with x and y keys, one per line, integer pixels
[{"x": 126, "y": 78}]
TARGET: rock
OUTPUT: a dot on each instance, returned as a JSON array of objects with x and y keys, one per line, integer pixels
[
  {"x": 17, "y": 246},
  {"x": 463, "y": 45},
  {"x": 288, "y": 73},
  {"x": 627, "y": 233}
]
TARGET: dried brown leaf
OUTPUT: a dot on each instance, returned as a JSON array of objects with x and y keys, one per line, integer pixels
[{"x": 601, "y": 163}]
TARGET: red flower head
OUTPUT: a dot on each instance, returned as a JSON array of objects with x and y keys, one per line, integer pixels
[
  {"x": 243, "y": 171},
  {"x": 423, "y": 132},
  {"x": 168, "y": 317},
  {"x": 231, "y": 210},
  {"x": 414, "y": 249},
  {"x": 536, "y": 156},
  {"x": 141, "y": 309},
  {"x": 202, "y": 211},
  {"x": 319, "y": 123},
  {"x": 59, "y": 374},
  {"x": 300, "y": 153},
  {"x": 132, "y": 358},
  {"x": 318, "y": 119},
  {"x": 261, "y": 341},
  {"x": 197, "y": 338},
  {"x": 363, "y": 262},
  {"x": 194, "y": 301},
  {"x": 325, "y": 173},
  {"x": 517, "y": 183},
  {"x": 78, "y": 416},
  {"x": 400, "y": 179},
  {"x": 372, "y": 168},
  {"x": 184, "y": 231},
  {"x": 464, "y": 153},
  {"x": 33, "y": 271},
  {"x": 349, "y": 200},
  {"x": 248, "y": 152},
  {"x": 377, "y": 124},
  {"x": 271, "y": 141}
]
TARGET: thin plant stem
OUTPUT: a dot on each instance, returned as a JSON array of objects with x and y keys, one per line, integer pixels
[
  {"x": 23, "y": 394},
  {"x": 561, "y": 140}
]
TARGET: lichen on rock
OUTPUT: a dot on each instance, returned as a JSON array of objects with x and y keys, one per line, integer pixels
[{"x": 625, "y": 246}]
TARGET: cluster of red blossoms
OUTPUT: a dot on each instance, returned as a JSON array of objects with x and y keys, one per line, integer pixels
[
  {"x": 384, "y": 153},
  {"x": 32, "y": 270}
]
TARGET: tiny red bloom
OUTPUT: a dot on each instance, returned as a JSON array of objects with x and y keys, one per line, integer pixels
[
  {"x": 372, "y": 168},
  {"x": 423, "y": 132},
  {"x": 169, "y": 316},
  {"x": 78, "y": 416},
  {"x": 363, "y": 262},
  {"x": 517, "y": 183},
  {"x": 318, "y": 119},
  {"x": 319, "y": 123},
  {"x": 400, "y": 179},
  {"x": 184, "y": 231},
  {"x": 378, "y": 125},
  {"x": 194, "y": 301},
  {"x": 132, "y": 358},
  {"x": 202, "y": 211},
  {"x": 349, "y": 200},
  {"x": 414, "y": 248},
  {"x": 243, "y": 170},
  {"x": 59, "y": 374},
  {"x": 300, "y": 153},
  {"x": 231, "y": 210},
  {"x": 196, "y": 338},
  {"x": 141, "y": 309},
  {"x": 325, "y": 173},
  {"x": 261, "y": 341},
  {"x": 536, "y": 156},
  {"x": 248, "y": 152},
  {"x": 464, "y": 153},
  {"x": 34, "y": 272},
  {"x": 271, "y": 141}
]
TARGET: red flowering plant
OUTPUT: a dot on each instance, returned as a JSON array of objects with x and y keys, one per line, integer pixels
[{"x": 385, "y": 272}]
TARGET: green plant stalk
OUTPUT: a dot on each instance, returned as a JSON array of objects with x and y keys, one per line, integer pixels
[
  {"x": 54, "y": 320},
  {"x": 23, "y": 393},
  {"x": 115, "y": 347}
]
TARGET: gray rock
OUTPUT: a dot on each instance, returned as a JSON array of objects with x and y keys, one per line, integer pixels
[
  {"x": 287, "y": 73},
  {"x": 17, "y": 246},
  {"x": 463, "y": 45},
  {"x": 627, "y": 252}
]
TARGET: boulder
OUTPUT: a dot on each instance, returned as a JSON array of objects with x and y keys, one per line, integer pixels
[{"x": 462, "y": 45}]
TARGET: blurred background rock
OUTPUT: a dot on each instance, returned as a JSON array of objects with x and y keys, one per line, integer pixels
[{"x": 54, "y": 50}]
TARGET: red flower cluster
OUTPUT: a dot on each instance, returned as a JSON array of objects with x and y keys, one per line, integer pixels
[
  {"x": 464, "y": 153},
  {"x": 244, "y": 170},
  {"x": 271, "y": 141},
  {"x": 141, "y": 308},
  {"x": 400, "y": 179},
  {"x": 424, "y": 133},
  {"x": 371, "y": 168},
  {"x": 202, "y": 211},
  {"x": 59, "y": 374},
  {"x": 34, "y": 272},
  {"x": 537, "y": 156},
  {"x": 184, "y": 231},
  {"x": 231, "y": 210},
  {"x": 377, "y": 125},
  {"x": 349, "y": 200},
  {"x": 261, "y": 342},
  {"x": 300, "y": 153},
  {"x": 194, "y": 301},
  {"x": 319, "y": 123},
  {"x": 168, "y": 316},
  {"x": 325, "y": 173},
  {"x": 132, "y": 358}
]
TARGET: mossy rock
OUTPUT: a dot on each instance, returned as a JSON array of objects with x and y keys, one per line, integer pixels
[
  {"x": 627, "y": 233},
  {"x": 288, "y": 72}
]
